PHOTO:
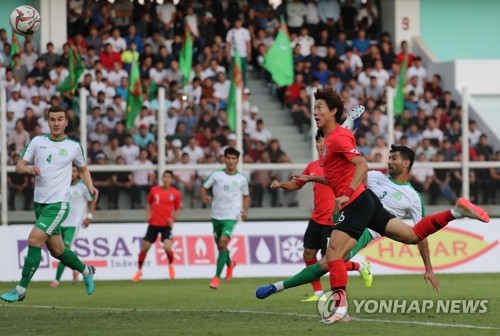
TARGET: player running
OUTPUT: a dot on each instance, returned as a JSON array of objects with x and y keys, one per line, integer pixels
[
  {"x": 320, "y": 224},
  {"x": 345, "y": 169},
  {"x": 398, "y": 197},
  {"x": 230, "y": 201},
  {"x": 49, "y": 158},
  {"x": 163, "y": 207},
  {"x": 80, "y": 201}
]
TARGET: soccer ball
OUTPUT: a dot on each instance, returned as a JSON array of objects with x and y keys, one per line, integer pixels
[{"x": 25, "y": 20}]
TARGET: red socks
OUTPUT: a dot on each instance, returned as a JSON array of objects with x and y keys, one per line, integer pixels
[
  {"x": 316, "y": 284},
  {"x": 142, "y": 257},
  {"x": 432, "y": 224},
  {"x": 352, "y": 266},
  {"x": 338, "y": 274},
  {"x": 170, "y": 256}
]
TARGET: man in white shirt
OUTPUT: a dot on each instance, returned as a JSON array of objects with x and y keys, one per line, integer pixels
[
  {"x": 117, "y": 42},
  {"x": 165, "y": 14},
  {"x": 222, "y": 87},
  {"x": 239, "y": 37},
  {"x": 17, "y": 104},
  {"x": 252, "y": 119},
  {"x": 29, "y": 89},
  {"x": 304, "y": 41},
  {"x": 158, "y": 74},
  {"x": 130, "y": 150},
  {"x": 415, "y": 87},
  {"x": 381, "y": 74},
  {"x": 260, "y": 133},
  {"x": 295, "y": 11},
  {"x": 353, "y": 61},
  {"x": 418, "y": 70},
  {"x": 433, "y": 133},
  {"x": 194, "y": 151},
  {"x": 116, "y": 75},
  {"x": 143, "y": 179},
  {"x": 213, "y": 69}
]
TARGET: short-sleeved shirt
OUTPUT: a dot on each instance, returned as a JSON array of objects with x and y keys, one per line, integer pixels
[
  {"x": 324, "y": 198},
  {"x": 54, "y": 158},
  {"x": 163, "y": 203},
  {"x": 228, "y": 191},
  {"x": 80, "y": 196},
  {"x": 398, "y": 198},
  {"x": 338, "y": 151},
  {"x": 238, "y": 37}
]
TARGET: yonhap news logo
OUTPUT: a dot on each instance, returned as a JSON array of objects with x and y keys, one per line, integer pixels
[{"x": 451, "y": 306}]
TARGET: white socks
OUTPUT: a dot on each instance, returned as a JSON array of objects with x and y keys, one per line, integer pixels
[
  {"x": 279, "y": 286},
  {"x": 361, "y": 267},
  {"x": 456, "y": 212},
  {"x": 20, "y": 289},
  {"x": 86, "y": 271}
]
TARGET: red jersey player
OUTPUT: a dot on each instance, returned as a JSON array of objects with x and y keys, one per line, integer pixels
[
  {"x": 345, "y": 170},
  {"x": 163, "y": 206},
  {"x": 320, "y": 225}
]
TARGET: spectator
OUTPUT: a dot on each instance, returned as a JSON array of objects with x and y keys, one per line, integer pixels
[
  {"x": 304, "y": 41},
  {"x": 454, "y": 133},
  {"x": 165, "y": 14},
  {"x": 20, "y": 138},
  {"x": 144, "y": 137},
  {"x": 19, "y": 69},
  {"x": 185, "y": 178},
  {"x": 194, "y": 151},
  {"x": 421, "y": 177},
  {"x": 30, "y": 121},
  {"x": 435, "y": 87},
  {"x": 380, "y": 73},
  {"x": 352, "y": 61},
  {"x": 427, "y": 103},
  {"x": 143, "y": 180},
  {"x": 387, "y": 55},
  {"x": 109, "y": 56},
  {"x": 110, "y": 120},
  {"x": 434, "y": 134},
  {"x": 93, "y": 40},
  {"x": 130, "y": 150},
  {"x": 405, "y": 54},
  {"x": 113, "y": 151},
  {"x": 348, "y": 18},
  {"x": 418, "y": 70},
  {"x": 10, "y": 124},
  {"x": 495, "y": 177},
  {"x": 484, "y": 149},
  {"x": 296, "y": 11},
  {"x": 19, "y": 183},
  {"x": 239, "y": 37},
  {"x": 260, "y": 134},
  {"x": 427, "y": 149},
  {"x": 28, "y": 56},
  {"x": 361, "y": 44},
  {"x": 374, "y": 90},
  {"x": 102, "y": 180},
  {"x": 474, "y": 133},
  {"x": 441, "y": 183},
  {"x": 413, "y": 135},
  {"x": 120, "y": 181},
  {"x": 484, "y": 182}
]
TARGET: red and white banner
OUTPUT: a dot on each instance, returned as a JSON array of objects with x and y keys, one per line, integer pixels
[{"x": 260, "y": 249}]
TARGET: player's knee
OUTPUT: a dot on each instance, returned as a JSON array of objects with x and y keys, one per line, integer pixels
[
  {"x": 309, "y": 254},
  {"x": 57, "y": 252},
  {"x": 412, "y": 239},
  {"x": 323, "y": 264}
]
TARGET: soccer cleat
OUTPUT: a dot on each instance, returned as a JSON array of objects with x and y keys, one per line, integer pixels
[
  {"x": 13, "y": 296},
  {"x": 75, "y": 278},
  {"x": 265, "y": 291},
  {"x": 340, "y": 314},
  {"x": 229, "y": 271},
  {"x": 171, "y": 272},
  {"x": 467, "y": 209},
  {"x": 366, "y": 275},
  {"x": 313, "y": 298},
  {"x": 54, "y": 284},
  {"x": 353, "y": 118},
  {"x": 214, "y": 284},
  {"x": 88, "y": 280},
  {"x": 137, "y": 276}
]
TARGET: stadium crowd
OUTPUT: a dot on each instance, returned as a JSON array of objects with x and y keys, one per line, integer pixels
[{"x": 338, "y": 44}]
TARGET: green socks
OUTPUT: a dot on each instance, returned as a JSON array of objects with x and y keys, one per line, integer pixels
[
  {"x": 221, "y": 262},
  {"x": 60, "y": 270},
  {"x": 307, "y": 275},
  {"x": 70, "y": 259},
  {"x": 228, "y": 261},
  {"x": 31, "y": 264}
]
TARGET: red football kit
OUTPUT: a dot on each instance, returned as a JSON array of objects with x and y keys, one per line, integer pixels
[
  {"x": 324, "y": 198},
  {"x": 163, "y": 203},
  {"x": 338, "y": 151}
]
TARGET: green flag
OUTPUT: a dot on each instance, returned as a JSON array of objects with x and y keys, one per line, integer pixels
[
  {"x": 399, "y": 97},
  {"x": 236, "y": 82},
  {"x": 134, "y": 95},
  {"x": 14, "y": 48},
  {"x": 279, "y": 58},
  {"x": 70, "y": 83},
  {"x": 186, "y": 58}
]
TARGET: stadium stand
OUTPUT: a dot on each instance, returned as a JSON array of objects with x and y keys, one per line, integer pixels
[{"x": 348, "y": 52}]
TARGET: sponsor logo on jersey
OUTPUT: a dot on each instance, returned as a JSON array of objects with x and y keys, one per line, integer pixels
[
  {"x": 325, "y": 150},
  {"x": 63, "y": 152}
]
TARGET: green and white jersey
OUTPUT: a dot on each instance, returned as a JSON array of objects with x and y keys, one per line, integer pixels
[
  {"x": 54, "y": 159},
  {"x": 398, "y": 198},
  {"x": 228, "y": 191},
  {"x": 80, "y": 196}
]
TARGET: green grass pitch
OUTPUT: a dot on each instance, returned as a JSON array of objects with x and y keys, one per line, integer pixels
[{"x": 189, "y": 307}]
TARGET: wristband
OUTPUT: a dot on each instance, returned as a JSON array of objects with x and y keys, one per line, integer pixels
[
  {"x": 348, "y": 192},
  {"x": 90, "y": 216}
]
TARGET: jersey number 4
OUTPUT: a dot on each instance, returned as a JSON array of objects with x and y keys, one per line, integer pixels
[{"x": 49, "y": 158}]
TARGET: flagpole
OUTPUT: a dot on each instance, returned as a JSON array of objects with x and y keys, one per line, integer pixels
[
  {"x": 3, "y": 153},
  {"x": 390, "y": 116},
  {"x": 83, "y": 119},
  {"x": 160, "y": 126},
  {"x": 314, "y": 130},
  {"x": 239, "y": 122}
]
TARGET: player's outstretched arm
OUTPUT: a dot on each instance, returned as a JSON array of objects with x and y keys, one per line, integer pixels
[
  {"x": 291, "y": 185},
  {"x": 423, "y": 248},
  {"x": 246, "y": 206},
  {"x": 84, "y": 174},
  {"x": 23, "y": 168},
  {"x": 310, "y": 178},
  {"x": 90, "y": 215}
]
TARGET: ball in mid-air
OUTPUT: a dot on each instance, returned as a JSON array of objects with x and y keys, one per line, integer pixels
[{"x": 25, "y": 20}]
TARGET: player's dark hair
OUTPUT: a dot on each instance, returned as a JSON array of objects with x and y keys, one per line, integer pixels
[
  {"x": 406, "y": 153},
  {"x": 332, "y": 99},
  {"x": 232, "y": 151},
  {"x": 56, "y": 109},
  {"x": 319, "y": 134},
  {"x": 171, "y": 173}
]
